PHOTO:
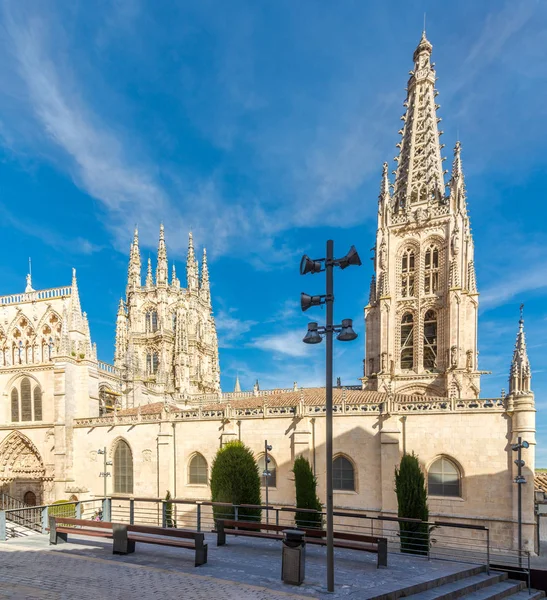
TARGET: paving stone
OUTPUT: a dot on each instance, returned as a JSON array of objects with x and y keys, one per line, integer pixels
[{"x": 244, "y": 568}]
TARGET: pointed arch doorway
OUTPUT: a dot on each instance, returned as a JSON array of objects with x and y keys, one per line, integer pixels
[{"x": 22, "y": 471}]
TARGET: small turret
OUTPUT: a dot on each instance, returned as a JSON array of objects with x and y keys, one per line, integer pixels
[
  {"x": 161, "y": 268},
  {"x": 191, "y": 266},
  {"x": 134, "y": 271},
  {"x": 121, "y": 335},
  {"x": 457, "y": 182},
  {"x": 149, "y": 278},
  {"x": 76, "y": 321},
  {"x": 204, "y": 286},
  {"x": 174, "y": 279},
  {"x": 520, "y": 377}
]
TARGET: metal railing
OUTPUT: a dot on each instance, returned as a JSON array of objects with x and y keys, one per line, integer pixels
[
  {"x": 36, "y": 518},
  {"x": 430, "y": 540}
]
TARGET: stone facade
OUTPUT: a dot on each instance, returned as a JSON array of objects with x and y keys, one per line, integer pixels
[{"x": 161, "y": 400}]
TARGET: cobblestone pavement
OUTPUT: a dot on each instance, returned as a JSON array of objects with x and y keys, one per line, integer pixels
[{"x": 246, "y": 568}]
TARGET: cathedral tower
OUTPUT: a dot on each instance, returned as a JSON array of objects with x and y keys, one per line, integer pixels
[
  {"x": 166, "y": 337},
  {"x": 421, "y": 319}
]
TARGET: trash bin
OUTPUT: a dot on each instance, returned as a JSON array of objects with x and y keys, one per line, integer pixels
[{"x": 294, "y": 557}]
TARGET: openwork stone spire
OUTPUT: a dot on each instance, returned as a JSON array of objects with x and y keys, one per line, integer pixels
[
  {"x": 419, "y": 176},
  {"x": 521, "y": 374},
  {"x": 161, "y": 267},
  {"x": 191, "y": 266},
  {"x": 121, "y": 335},
  {"x": 237, "y": 386},
  {"x": 134, "y": 272}
]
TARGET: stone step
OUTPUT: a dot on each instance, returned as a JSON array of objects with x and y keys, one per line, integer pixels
[
  {"x": 460, "y": 587},
  {"x": 525, "y": 595},
  {"x": 425, "y": 586},
  {"x": 503, "y": 589}
]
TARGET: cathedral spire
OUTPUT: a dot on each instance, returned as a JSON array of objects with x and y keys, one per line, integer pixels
[
  {"x": 237, "y": 386},
  {"x": 76, "y": 322},
  {"x": 134, "y": 271},
  {"x": 521, "y": 373},
  {"x": 204, "y": 283},
  {"x": 161, "y": 268},
  {"x": 149, "y": 279},
  {"x": 191, "y": 266},
  {"x": 419, "y": 176}
]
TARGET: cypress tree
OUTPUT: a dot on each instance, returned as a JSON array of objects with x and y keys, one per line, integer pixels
[
  {"x": 306, "y": 494},
  {"x": 412, "y": 504},
  {"x": 235, "y": 480}
]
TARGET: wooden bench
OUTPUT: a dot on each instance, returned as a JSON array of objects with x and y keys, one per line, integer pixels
[
  {"x": 61, "y": 527},
  {"x": 342, "y": 539},
  {"x": 126, "y": 537}
]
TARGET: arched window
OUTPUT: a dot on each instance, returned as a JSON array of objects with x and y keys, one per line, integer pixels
[
  {"x": 151, "y": 321},
  {"x": 123, "y": 469},
  {"x": 152, "y": 362},
  {"x": 431, "y": 270},
  {"x": 407, "y": 341},
  {"x": 407, "y": 273},
  {"x": 430, "y": 340},
  {"x": 14, "y": 405},
  {"x": 343, "y": 477},
  {"x": 197, "y": 470},
  {"x": 271, "y": 468},
  {"x": 26, "y": 400},
  {"x": 443, "y": 478},
  {"x": 174, "y": 320},
  {"x": 37, "y": 403}
]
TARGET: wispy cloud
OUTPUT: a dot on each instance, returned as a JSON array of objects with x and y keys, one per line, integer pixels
[
  {"x": 288, "y": 343},
  {"x": 78, "y": 245},
  {"x": 230, "y": 328}
]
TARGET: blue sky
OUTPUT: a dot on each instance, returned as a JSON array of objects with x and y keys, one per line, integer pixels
[{"x": 263, "y": 126}]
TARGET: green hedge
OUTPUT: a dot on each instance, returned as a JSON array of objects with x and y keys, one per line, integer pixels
[{"x": 63, "y": 508}]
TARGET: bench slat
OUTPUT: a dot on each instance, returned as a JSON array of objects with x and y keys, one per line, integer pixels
[
  {"x": 83, "y": 522},
  {"x": 168, "y": 532},
  {"x": 90, "y": 532},
  {"x": 161, "y": 542}
]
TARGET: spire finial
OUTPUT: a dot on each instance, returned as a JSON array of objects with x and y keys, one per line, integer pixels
[
  {"x": 149, "y": 280},
  {"x": 191, "y": 266},
  {"x": 162, "y": 267},
  {"x": 522, "y": 314}
]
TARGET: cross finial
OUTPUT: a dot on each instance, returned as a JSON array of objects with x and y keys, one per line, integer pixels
[{"x": 522, "y": 312}]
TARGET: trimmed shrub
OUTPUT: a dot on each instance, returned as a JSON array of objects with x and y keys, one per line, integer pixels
[
  {"x": 306, "y": 494},
  {"x": 412, "y": 503},
  {"x": 63, "y": 508},
  {"x": 235, "y": 480}
]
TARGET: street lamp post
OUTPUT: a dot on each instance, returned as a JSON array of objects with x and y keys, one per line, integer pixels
[
  {"x": 106, "y": 463},
  {"x": 313, "y": 336},
  {"x": 520, "y": 480},
  {"x": 266, "y": 474}
]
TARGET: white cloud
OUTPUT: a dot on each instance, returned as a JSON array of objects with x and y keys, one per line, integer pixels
[
  {"x": 288, "y": 343},
  {"x": 230, "y": 328}
]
